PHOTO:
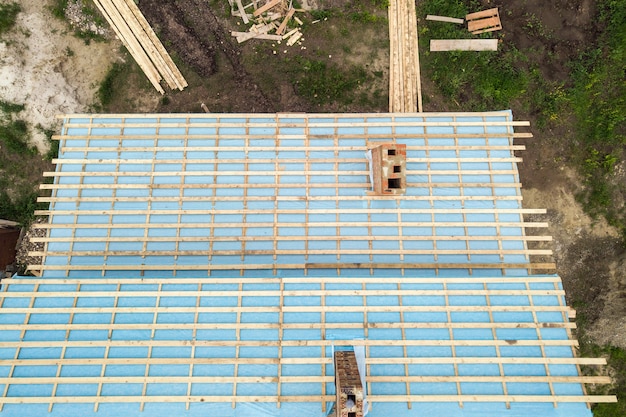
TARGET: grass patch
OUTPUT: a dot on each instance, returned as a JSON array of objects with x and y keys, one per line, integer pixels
[
  {"x": 321, "y": 82},
  {"x": 479, "y": 80},
  {"x": 107, "y": 89},
  {"x": 8, "y": 16},
  {"x": 58, "y": 9},
  {"x": 598, "y": 100}
]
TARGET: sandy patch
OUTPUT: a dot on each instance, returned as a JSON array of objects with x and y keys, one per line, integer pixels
[{"x": 49, "y": 70}]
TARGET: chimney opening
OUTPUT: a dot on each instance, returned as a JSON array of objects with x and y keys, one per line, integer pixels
[
  {"x": 391, "y": 152},
  {"x": 397, "y": 168},
  {"x": 395, "y": 183},
  {"x": 351, "y": 414}
]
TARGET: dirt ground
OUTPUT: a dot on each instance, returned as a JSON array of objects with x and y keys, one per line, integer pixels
[
  {"x": 50, "y": 71},
  {"x": 229, "y": 77}
]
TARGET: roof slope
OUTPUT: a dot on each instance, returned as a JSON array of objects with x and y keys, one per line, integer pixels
[{"x": 203, "y": 264}]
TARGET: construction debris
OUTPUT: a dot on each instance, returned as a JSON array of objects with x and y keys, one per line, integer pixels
[
  {"x": 264, "y": 15},
  {"x": 138, "y": 37}
]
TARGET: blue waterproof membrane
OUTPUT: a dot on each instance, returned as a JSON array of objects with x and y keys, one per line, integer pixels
[
  {"x": 283, "y": 192},
  {"x": 231, "y": 194},
  {"x": 188, "y": 338}
]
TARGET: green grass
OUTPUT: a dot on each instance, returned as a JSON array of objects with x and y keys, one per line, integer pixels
[
  {"x": 8, "y": 16},
  {"x": 478, "y": 80},
  {"x": 58, "y": 9},
  {"x": 598, "y": 100},
  {"x": 321, "y": 82},
  {"x": 107, "y": 89}
]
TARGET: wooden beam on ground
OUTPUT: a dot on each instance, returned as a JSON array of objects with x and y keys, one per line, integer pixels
[
  {"x": 439, "y": 45},
  {"x": 285, "y": 21},
  {"x": 242, "y": 12},
  {"x": 445, "y": 19},
  {"x": 181, "y": 83},
  {"x": 130, "y": 42}
]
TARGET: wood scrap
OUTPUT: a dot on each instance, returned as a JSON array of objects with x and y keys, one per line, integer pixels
[
  {"x": 294, "y": 38},
  {"x": 265, "y": 21},
  {"x": 266, "y": 7},
  {"x": 242, "y": 12},
  {"x": 283, "y": 25}
]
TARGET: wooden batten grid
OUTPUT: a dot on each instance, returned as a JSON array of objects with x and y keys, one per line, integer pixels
[
  {"x": 210, "y": 218},
  {"x": 124, "y": 289},
  {"x": 138, "y": 37}
]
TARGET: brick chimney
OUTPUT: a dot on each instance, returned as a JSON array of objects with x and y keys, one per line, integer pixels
[
  {"x": 348, "y": 385},
  {"x": 388, "y": 169}
]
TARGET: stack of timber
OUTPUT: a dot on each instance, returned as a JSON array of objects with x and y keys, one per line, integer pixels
[
  {"x": 269, "y": 20},
  {"x": 405, "y": 91},
  {"x": 138, "y": 37}
]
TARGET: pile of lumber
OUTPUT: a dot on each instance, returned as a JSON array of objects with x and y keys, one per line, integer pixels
[
  {"x": 405, "y": 95},
  {"x": 269, "y": 20},
  {"x": 138, "y": 37}
]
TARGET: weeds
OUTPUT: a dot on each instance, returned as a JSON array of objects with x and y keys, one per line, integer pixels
[
  {"x": 598, "y": 100},
  {"x": 106, "y": 91},
  {"x": 58, "y": 9},
  {"x": 8, "y": 16},
  {"x": 17, "y": 158},
  {"x": 320, "y": 82}
]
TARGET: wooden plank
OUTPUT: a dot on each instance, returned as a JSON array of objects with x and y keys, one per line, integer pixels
[
  {"x": 482, "y": 14},
  {"x": 266, "y": 7},
  {"x": 445, "y": 19},
  {"x": 130, "y": 42},
  {"x": 548, "y": 266},
  {"x": 245, "y": 36},
  {"x": 285, "y": 21},
  {"x": 298, "y": 116},
  {"x": 242, "y": 12},
  {"x": 485, "y": 25},
  {"x": 276, "y": 280},
  {"x": 178, "y": 76},
  {"x": 437, "y": 45},
  {"x": 304, "y": 379}
]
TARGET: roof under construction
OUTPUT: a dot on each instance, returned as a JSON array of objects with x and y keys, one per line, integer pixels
[{"x": 211, "y": 264}]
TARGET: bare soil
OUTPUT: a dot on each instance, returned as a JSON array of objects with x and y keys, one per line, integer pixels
[{"x": 45, "y": 67}]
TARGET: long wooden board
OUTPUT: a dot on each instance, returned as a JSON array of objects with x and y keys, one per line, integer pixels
[{"x": 438, "y": 45}]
